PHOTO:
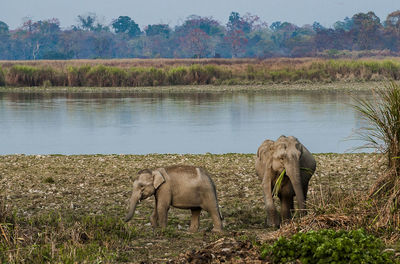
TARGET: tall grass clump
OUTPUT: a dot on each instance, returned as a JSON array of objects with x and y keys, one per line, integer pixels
[
  {"x": 177, "y": 75},
  {"x": 142, "y": 76},
  {"x": 103, "y": 76},
  {"x": 382, "y": 132},
  {"x": 22, "y": 75},
  {"x": 2, "y": 78},
  {"x": 208, "y": 74},
  {"x": 77, "y": 75}
]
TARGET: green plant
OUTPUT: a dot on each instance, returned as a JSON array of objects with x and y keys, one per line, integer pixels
[
  {"x": 328, "y": 246},
  {"x": 278, "y": 183}
]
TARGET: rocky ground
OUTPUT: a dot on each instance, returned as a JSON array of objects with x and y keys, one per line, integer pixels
[{"x": 82, "y": 187}]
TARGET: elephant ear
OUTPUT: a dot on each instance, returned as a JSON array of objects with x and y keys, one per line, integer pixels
[
  {"x": 299, "y": 146},
  {"x": 158, "y": 179}
]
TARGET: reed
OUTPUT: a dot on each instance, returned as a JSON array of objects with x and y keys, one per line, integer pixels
[{"x": 382, "y": 132}]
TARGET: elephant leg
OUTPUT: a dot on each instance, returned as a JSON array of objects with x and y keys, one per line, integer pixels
[
  {"x": 286, "y": 206},
  {"x": 195, "y": 221},
  {"x": 154, "y": 216},
  {"x": 211, "y": 207},
  {"x": 305, "y": 187},
  {"x": 162, "y": 213},
  {"x": 272, "y": 215},
  {"x": 216, "y": 218}
]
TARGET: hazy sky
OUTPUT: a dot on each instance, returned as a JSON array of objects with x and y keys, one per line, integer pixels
[{"x": 173, "y": 12}]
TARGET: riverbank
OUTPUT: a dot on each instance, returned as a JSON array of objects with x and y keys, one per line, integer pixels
[
  {"x": 70, "y": 208},
  {"x": 316, "y": 87},
  {"x": 139, "y": 73}
]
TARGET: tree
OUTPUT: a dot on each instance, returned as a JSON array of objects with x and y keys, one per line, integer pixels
[
  {"x": 197, "y": 43},
  {"x": 206, "y": 24},
  {"x": 392, "y": 30},
  {"x": 3, "y": 28},
  {"x": 282, "y": 32},
  {"x": 103, "y": 42},
  {"x": 157, "y": 40},
  {"x": 90, "y": 23},
  {"x": 158, "y": 29},
  {"x": 125, "y": 24},
  {"x": 367, "y": 30},
  {"x": 87, "y": 22},
  {"x": 393, "y": 19},
  {"x": 275, "y": 26},
  {"x": 198, "y": 36},
  {"x": 345, "y": 25},
  {"x": 4, "y": 41},
  {"x": 316, "y": 26},
  {"x": 37, "y": 37},
  {"x": 237, "y": 23},
  {"x": 237, "y": 41}
]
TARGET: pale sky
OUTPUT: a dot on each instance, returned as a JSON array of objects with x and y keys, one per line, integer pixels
[{"x": 173, "y": 12}]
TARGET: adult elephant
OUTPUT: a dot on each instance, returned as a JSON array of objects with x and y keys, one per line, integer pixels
[{"x": 288, "y": 154}]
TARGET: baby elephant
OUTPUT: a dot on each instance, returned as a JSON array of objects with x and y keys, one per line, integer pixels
[{"x": 184, "y": 187}]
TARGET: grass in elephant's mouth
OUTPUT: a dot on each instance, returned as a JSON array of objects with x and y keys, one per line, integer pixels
[{"x": 71, "y": 208}]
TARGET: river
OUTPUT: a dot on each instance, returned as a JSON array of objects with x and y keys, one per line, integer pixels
[{"x": 174, "y": 122}]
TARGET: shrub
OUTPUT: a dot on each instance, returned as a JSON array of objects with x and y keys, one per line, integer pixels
[{"x": 328, "y": 246}]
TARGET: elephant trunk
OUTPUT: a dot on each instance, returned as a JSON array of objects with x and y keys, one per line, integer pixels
[
  {"x": 293, "y": 172},
  {"x": 132, "y": 206}
]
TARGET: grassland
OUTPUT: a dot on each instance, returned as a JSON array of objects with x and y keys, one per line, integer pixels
[
  {"x": 164, "y": 72},
  {"x": 70, "y": 208}
]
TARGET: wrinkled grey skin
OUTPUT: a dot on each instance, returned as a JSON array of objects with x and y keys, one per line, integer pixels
[
  {"x": 184, "y": 187},
  {"x": 272, "y": 158}
]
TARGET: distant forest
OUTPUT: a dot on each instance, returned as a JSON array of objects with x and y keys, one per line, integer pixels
[{"x": 200, "y": 37}]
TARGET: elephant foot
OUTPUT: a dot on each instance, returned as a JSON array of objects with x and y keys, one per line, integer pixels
[
  {"x": 193, "y": 229},
  {"x": 274, "y": 224},
  {"x": 216, "y": 230}
]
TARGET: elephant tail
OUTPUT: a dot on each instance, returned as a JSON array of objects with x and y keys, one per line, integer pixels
[{"x": 220, "y": 214}]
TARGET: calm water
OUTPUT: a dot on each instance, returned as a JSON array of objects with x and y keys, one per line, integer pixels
[{"x": 129, "y": 123}]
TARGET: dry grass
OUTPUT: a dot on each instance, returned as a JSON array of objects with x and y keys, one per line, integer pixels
[
  {"x": 159, "y": 72},
  {"x": 160, "y": 63},
  {"x": 272, "y": 63},
  {"x": 71, "y": 207}
]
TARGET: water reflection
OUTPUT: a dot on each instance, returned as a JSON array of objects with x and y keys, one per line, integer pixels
[{"x": 138, "y": 123}]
